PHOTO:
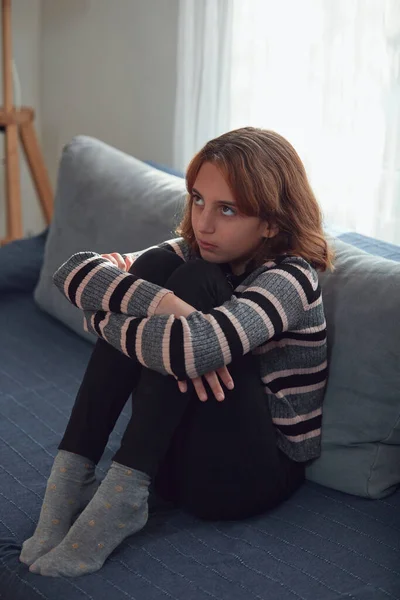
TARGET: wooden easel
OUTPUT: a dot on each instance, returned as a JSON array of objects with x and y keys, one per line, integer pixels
[{"x": 16, "y": 123}]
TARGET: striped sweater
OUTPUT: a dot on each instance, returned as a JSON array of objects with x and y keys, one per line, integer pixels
[{"x": 276, "y": 313}]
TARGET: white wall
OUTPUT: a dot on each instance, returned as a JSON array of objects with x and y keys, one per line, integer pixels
[
  {"x": 109, "y": 71},
  {"x": 26, "y": 27}
]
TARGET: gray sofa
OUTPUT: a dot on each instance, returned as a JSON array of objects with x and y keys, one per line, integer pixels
[{"x": 337, "y": 537}]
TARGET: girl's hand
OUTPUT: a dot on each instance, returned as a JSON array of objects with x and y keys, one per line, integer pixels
[
  {"x": 211, "y": 377},
  {"x": 119, "y": 261},
  {"x": 213, "y": 382}
]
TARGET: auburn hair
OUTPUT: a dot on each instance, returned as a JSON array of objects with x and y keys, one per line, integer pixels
[{"x": 268, "y": 180}]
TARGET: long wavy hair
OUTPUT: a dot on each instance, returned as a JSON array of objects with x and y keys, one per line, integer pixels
[{"x": 268, "y": 180}]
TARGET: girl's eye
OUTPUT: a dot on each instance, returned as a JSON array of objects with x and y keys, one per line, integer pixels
[
  {"x": 197, "y": 200},
  {"x": 225, "y": 210}
]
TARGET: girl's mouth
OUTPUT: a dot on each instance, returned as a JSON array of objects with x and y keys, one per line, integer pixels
[{"x": 206, "y": 245}]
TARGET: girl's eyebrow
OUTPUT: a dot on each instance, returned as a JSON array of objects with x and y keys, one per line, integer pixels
[{"x": 224, "y": 202}]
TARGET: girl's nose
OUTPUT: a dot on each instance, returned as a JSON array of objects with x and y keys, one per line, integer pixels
[{"x": 206, "y": 224}]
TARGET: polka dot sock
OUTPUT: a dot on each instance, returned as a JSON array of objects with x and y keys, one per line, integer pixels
[
  {"x": 117, "y": 510},
  {"x": 70, "y": 487}
]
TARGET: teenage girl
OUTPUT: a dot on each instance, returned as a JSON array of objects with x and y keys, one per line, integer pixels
[{"x": 221, "y": 336}]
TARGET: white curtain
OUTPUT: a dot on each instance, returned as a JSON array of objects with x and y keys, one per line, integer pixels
[
  {"x": 326, "y": 75},
  {"x": 204, "y": 69}
]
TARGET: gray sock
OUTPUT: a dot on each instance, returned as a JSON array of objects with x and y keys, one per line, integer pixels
[
  {"x": 70, "y": 487},
  {"x": 118, "y": 509}
]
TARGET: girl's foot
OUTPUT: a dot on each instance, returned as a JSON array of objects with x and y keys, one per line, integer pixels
[
  {"x": 70, "y": 487},
  {"x": 118, "y": 509}
]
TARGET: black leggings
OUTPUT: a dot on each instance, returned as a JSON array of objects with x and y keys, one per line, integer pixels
[{"x": 217, "y": 460}]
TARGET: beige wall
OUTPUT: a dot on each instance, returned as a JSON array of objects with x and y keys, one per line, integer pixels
[
  {"x": 109, "y": 71},
  {"x": 26, "y": 25},
  {"x": 105, "y": 68}
]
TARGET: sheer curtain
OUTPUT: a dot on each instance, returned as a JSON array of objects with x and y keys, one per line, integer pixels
[
  {"x": 326, "y": 75},
  {"x": 204, "y": 69}
]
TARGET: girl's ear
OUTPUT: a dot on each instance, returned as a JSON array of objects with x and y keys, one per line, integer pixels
[{"x": 270, "y": 231}]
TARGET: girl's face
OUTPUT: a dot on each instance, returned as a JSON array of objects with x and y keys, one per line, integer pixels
[{"x": 223, "y": 234}]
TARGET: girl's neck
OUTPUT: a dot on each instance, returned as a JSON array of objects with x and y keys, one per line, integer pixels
[{"x": 238, "y": 268}]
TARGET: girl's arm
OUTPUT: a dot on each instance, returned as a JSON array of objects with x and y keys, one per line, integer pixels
[
  {"x": 92, "y": 282},
  {"x": 189, "y": 346}
]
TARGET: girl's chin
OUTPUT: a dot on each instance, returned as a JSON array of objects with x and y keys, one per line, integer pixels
[{"x": 207, "y": 252}]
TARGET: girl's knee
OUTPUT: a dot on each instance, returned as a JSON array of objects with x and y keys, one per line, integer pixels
[
  {"x": 156, "y": 265},
  {"x": 201, "y": 284}
]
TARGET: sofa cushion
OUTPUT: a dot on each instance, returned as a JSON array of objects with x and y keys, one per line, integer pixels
[
  {"x": 21, "y": 262},
  {"x": 106, "y": 201},
  {"x": 361, "y": 418}
]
